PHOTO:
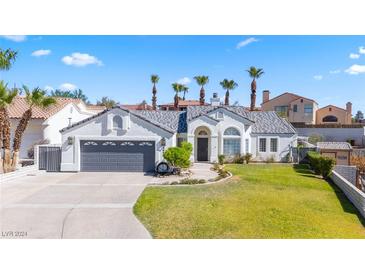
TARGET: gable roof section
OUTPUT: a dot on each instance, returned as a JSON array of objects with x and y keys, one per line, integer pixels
[
  {"x": 290, "y": 93},
  {"x": 333, "y": 106},
  {"x": 170, "y": 121},
  {"x": 334, "y": 145},
  {"x": 265, "y": 122}
]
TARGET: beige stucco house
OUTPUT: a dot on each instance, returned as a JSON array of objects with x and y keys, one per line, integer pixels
[
  {"x": 297, "y": 109},
  {"x": 334, "y": 115}
]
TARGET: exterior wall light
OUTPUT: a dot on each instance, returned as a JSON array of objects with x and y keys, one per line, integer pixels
[
  {"x": 163, "y": 142},
  {"x": 70, "y": 140}
]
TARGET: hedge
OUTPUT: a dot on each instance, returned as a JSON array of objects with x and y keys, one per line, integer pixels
[{"x": 320, "y": 164}]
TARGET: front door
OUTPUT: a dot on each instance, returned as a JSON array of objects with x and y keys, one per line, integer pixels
[{"x": 202, "y": 149}]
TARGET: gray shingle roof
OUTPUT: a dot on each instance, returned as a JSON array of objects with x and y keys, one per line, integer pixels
[
  {"x": 334, "y": 145},
  {"x": 265, "y": 122}
]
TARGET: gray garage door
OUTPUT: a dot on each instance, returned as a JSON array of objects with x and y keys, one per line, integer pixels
[{"x": 121, "y": 156}]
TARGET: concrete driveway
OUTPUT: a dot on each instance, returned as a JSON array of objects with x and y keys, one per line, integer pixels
[{"x": 73, "y": 205}]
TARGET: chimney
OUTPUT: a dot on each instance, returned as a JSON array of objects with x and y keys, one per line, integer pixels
[
  {"x": 215, "y": 101},
  {"x": 265, "y": 96},
  {"x": 349, "y": 107}
]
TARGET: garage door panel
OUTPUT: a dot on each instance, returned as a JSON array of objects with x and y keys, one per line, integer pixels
[{"x": 121, "y": 156}]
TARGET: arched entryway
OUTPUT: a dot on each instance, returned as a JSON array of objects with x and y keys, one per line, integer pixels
[{"x": 202, "y": 144}]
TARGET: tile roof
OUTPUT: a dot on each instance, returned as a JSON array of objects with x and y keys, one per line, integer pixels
[
  {"x": 137, "y": 107},
  {"x": 19, "y": 106},
  {"x": 265, "y": 122},
  {"x": 334, "y": 145},
  {"x": 183, "y": 103},
  {"x": 176, "y": 121}
]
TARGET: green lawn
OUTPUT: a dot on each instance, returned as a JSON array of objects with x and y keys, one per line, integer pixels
[{"x": 260, "y": 201}]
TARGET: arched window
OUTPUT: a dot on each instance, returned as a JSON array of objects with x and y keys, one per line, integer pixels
[
  {"x": 202, "y": 133},
  {"x": 330, "y": 119},
  {"x": 117, "y": 122},
  {"x": 231, "y": 142},
  {"x": 231, "y": 131}
]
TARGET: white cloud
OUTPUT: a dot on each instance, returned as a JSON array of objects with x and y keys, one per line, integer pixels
[
  {"x": 15, "y": 38},
  {"x": 184, "y": 81},
  {"x": 67, "y": 87},
  {"x": 354, "y": 56},
  {"x": 362, "y": 50},
  {"x": 356, "y": 69},
  {"x": 246, "y": 42},
  {"x": 336, "y": 71},
  {"x": 48, "y": 88},
  {"x": 78, "y": 59},
  {"x": 41, "y": 52},
  {"x": 318, "y": 77}
]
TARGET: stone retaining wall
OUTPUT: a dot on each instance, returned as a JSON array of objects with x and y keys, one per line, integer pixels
[
  {"x": 348, "y": 172},
  {"x": 356, "y": 196}
]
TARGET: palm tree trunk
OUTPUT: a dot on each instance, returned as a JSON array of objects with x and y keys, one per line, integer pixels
[
  {"x": 226, "y": 100},
  {"x": 1, "y": 141},
  {"x": 23, "y": 123},
  {"x": 6, "y": 141},
  {"x": 184, "y": 95},
  {"x": 253, "y": 95},
  {"x": 202, "y": 96},
  {"x": 176, "y": 101},
  {"x": 154, "y": 98}
]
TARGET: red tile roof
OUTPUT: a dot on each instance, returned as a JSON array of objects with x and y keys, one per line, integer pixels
[{"x": 137, "y": 107}]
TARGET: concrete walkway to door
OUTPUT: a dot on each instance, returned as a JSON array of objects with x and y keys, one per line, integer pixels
[{"x": 73, "y": 205}]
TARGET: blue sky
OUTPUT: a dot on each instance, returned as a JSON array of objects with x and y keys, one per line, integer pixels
[{"x": 329, "y": 69}]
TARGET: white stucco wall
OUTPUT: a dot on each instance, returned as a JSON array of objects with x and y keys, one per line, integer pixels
[
  {"x": 100, "y": 128},
  {"x": 285, "y": 141},
  {"x": 215, "y": 144},
  {"x": 336, "y": 134},
  {"x": 60, "y": 120},
  {"x": 33, "y": 134}
]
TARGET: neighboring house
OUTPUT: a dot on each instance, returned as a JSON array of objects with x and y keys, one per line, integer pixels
[
  {"x": 340, "y": 151},
  {"x": 183, "y": 104},
  {"x": 334, "y": 115},
  {"x": 119, "y": 139},
  {"x": 141, "y": 106},
  {"x": 46, "y": 123},
  {"x": 297, "y": 109},
  {"x": 300, "y": 110}
]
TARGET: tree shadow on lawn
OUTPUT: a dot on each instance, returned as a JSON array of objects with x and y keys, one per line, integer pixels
[{"x": 347, "y": 206}]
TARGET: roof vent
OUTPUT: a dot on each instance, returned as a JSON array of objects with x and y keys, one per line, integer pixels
[{"x": 215, "y": 100}]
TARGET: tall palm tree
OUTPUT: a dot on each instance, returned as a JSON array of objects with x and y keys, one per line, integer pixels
[
  {"x": 228, "y": 85},
  {"x": 34, "y": 98},
  {"x": 177, "y": 88},
  {"x": 202, "y": 81},
  {"x": 154, "y": 79},
  {"x": 6, "y": 98},
  {"x": 254, "y": 73},
  {"x": 184, "y": 89},
  {"x": 7, "y": 58}
]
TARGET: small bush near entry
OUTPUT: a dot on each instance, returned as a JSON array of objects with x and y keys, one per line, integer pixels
[
  {"x": 221, "y": 159},
  {"x": 321, "y": 165},
  {"x": 188, "y": 181},
  {"x": 179, "y": 156},
  {"x": 238, "y": 159},
  {"x": 270, "y": 159},
  {"x": 247, "y": 157}
]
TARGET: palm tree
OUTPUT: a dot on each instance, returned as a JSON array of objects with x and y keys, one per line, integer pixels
[
  {"x": 184, "y": 89},
  {"x": 107, "y": 102},
  {"x": 7, "y": 58},
  {"x": 6, "y": 98},
  {"x": 154, "y": 79},
  {"x": 202, "y": 81},
  {"x": 228, "y": 85},
  {"x": 177, "y": 88},
  {"x": 76, "y": 94},
  {"x": 34, "y": 98},
  {"x": 254, "y": 73}
]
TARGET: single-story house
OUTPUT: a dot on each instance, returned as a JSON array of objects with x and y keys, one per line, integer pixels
[
  {"x": 45, "y": 124},
  {"x": 119, "y": 139},
  {"x": 340, "y": 151}
]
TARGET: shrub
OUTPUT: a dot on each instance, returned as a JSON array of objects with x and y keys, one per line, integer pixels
[
  {"x": 237, "y": 159},
  {"x": 179, "y": 156},
  {"x": 221, "y": 159},
  {"x": 321, "y": 165},
  {"x": 247, "y": 157},
  {"x": 314, "y": 139},
  {"x": 270, "y": 159},
  {"x": 188, "y": 181}
]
